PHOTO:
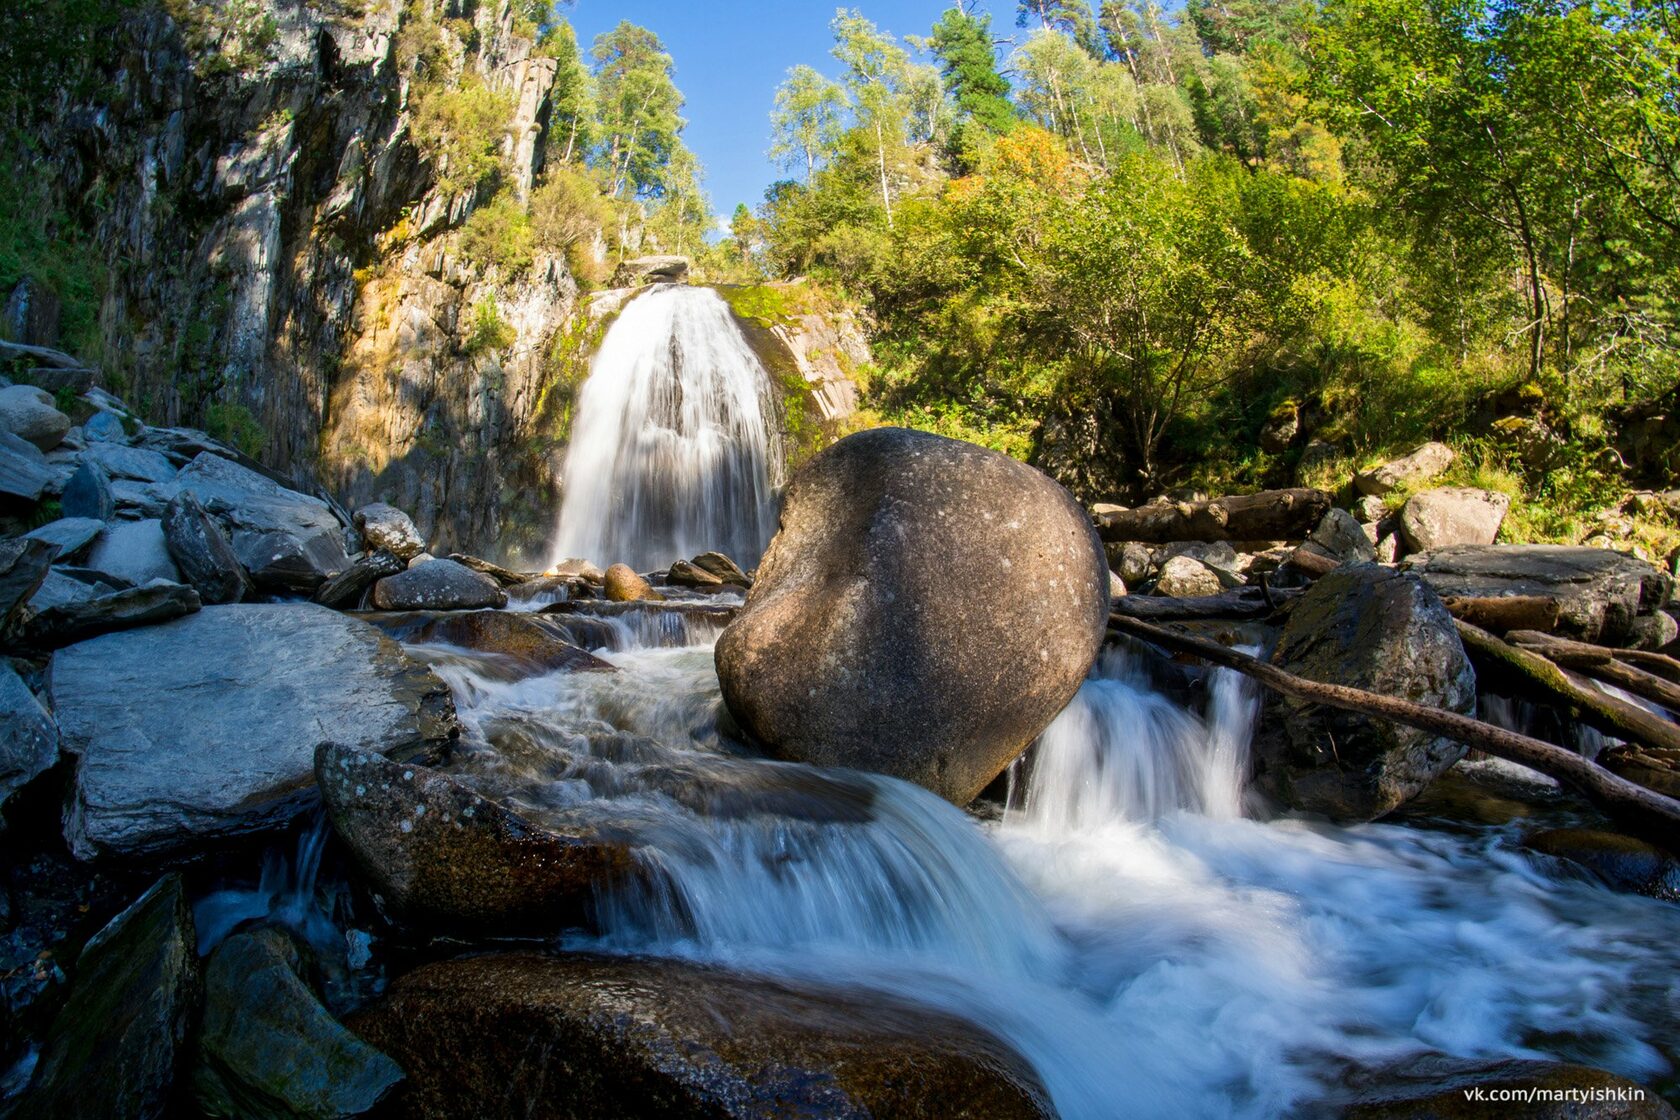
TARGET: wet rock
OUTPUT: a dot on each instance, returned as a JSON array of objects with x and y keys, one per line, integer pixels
[
  {"x": 88, "y": 494},
  {"x": 1184, "y": 576},
  {"x": 287, "y": 541},
  {"x": 523, "y": 1035},
  {"x": 1622, "y": 862},
  {"x": 1600, "y": 592},
  {"x": 1452, "y": 516},
  {"x": 1421, "y": 465},
  {"x": 530, "y": 644},
  {"x": 205, "y": 726},
  {"x": 70, "y": 535},
  {"x": 24, "y": 564},
  {"x": 28, "y": 736},
  {"x": 113, "y": 1049},
  {"x": 441, "y": 585},
  {"x": 23, "y": 469},
  {"x": 441, "y": 856},
  {"x": 87, "y": 617},
  {"x": 863, "y": 643},
  {"x": 385, "y": 527},
  {"x": 684, "y": 574},
  {"x": 28, "y": 413},
  {"x": 723, "y": 568},
  {"x": 137, "y": 463},
  {"x": 1652, "y": 631},
  {"x": 202, "y": 551},
  {"x": 623, "y": 585},
  {"x": 1655, "y": 768},
  {"x": 105, "y": 427},
  {"x": 1434, "y": 1089},
  {"x": 1379, "y": 630},
  {"x": 268, "y": 1049},
  {"x": 1341, "y": 538},
  {"x": 345, "y": 590}
]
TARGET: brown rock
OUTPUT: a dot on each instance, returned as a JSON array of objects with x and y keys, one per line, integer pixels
[{"x": 625, "y": 586}]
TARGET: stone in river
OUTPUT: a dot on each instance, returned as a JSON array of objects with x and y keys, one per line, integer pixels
[{"x": 438, "y": 585}]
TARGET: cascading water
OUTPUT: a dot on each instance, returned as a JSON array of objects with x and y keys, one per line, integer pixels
[
  {"x": 674, "y": 448},
  {"x": 1152, "y": 952}
]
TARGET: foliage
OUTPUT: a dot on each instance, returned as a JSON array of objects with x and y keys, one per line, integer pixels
[
  {"x": 460, "y": 131},
  {"x": 499, "y": 234},
  {"x": 806, "y": 122},
  {"x": 40, "y": 241},
  {"x": 233, "y": 424},
  {"x": 490, "y": 330},
  {"x": 639, "y": 109}
]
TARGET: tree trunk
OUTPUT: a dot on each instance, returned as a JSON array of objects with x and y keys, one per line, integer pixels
[
  {"x": 1267, "y": 516},
  {"x": 1642, "y": 812},
  {"x": 1243, "y": 602},
  {"x": 1500, "y": 613},
  {"x": 1600, "y": 664}
]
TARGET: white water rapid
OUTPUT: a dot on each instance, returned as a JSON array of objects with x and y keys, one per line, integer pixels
[
  {"x": 1152, "y": 951},
  {"x": 674, "y": 448}
]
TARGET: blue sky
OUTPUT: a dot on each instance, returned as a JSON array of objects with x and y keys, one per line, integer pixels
[{"x": 732, "y": 54}]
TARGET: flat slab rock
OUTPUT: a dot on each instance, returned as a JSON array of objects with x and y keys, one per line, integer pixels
[
  {"x": 206, "y": 727},
  {"x": 525, "y": 1035},
  {"x": 1600, "y": 592}
]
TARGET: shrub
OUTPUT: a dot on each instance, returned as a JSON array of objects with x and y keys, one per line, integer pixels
[
  {"x": 460, "y": 131},
  {"x": 490, "y": 331},
  {"x": 498, "y": 235},
  {"x": 233, "y": 424}
]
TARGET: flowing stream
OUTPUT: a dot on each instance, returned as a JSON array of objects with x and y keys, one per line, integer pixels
[
  {"x": 674, "y": 449},
  {"x": 1150, "y": 949}
]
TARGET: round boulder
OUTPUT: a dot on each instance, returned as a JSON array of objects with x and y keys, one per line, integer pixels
[
  {"x": 925, "y": 611},
  {"x": 438, "y": 585},
  {"x": 1383, "y": 631}
]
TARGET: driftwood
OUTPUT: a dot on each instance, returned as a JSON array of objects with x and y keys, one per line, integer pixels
[
  {"x": 1601, "y": 664},
  {"x": 1267, "y": 516},
  {"x": 1637, "y": 809},
  {"x": 1315, "y": 564},
  {"x": 1502, "y": 613},
  {"x": 1243, "y": 602},
  {"x": 1657, "y": 664},
  {"x": 1524, "y": 670}
]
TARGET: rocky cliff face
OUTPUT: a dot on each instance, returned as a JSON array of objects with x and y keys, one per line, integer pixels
[{"x": 286, "y": 265}]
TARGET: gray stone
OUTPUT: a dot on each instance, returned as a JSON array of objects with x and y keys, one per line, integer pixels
[
  {"x": 72, "y": 585},
  {"x": 206, "y": 726},
  {"x": 134, "y": 551},
  {"x": 440, "y": 855},
  {"x": 1451, "y": 516},
  {"x": 345, "y": 590},
  {"x": 1341, "y": 538},
  {"x": 441, "y": 585},
  {"x": 28, "y": 413},
  {"x": 23, "y": 566},
  {"x": 1421, "y": 465},
  {"x": 130, "y": 462},
  {"x": 268, "y": 1050},
  {"x": 1653, "y": 631},
  {"x": 683, "y": 1041},
  {"x": 32, "y": 314},
  {"x": 686, "y": 574},
  {"x": 28, "y": 736},
  {"x": 389, "y": 528},
  {"x": 70, "y": 535},
  {"x": 114, "y": 1048},
  {"x": 88, "y": 494},
  {"x": 105, "y": 427},
  {"x": 1133, "y": 562},
  {"x": 141, "y": 501},
  {"x": 1383, "y": 631},
  {"x": 203, "y": 552},
  {"x": 1600, "y": 592},
  {"x": 89, "y": 616},
  {"x": 23, "y": 469},
  {"x": 1316, "y": 456},
  {"x": 650, "y": 270},
  {"x": 864, "y": 641},
  {"x": 578, "y": 569},
  {"x": 1184, "y": 576},
  {"x": 1369, "y": 509},
  {"x": 723, "y": 568},
  {"x": 287, "y": 541}
]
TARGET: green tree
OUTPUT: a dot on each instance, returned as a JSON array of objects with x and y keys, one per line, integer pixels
[
  {"x": 878, "y": 74},
  {"x": 962, "y": 42},
  {"x": 640, "y": 110},
  {"x": 807, "y": 120},
  {"x": 572, "y": 108},
  {"x": 1072, "y": 18}
]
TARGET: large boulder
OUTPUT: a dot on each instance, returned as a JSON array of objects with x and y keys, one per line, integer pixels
[
  {"x": 1600, "y": 592},
  {"x": 113, "y": 1049},
  {"x": 650, "y": 270},
  {"x": 139, "y": 463},
  {"x": 134, "y": 552},
  {"x": 438, "y": 585},
  {"x": 442, "y": 856},
  {"x": 1382, "y": 631},
  {"x": 70, "y": 535},
  {"x": 623, "y": 585},
  {"x": 524, "y": 643},
  {"x": 88, "y": 616},
  {"x": 1341, "y": 538},
  {"x": 1421, "y": 465},
  {"x": 287, "y": 541},
  {"x": 29, "y": 414},
  {"x": 206, "y": 726},
  {"x": 1452, "y": 515},
  {"x": 268, "y": 1050},
  {"x": 925, "y": 611},
  {"x": 1185, "y": 576},
  {"x": 582, "y": 1037},
  {"x": 388, "y": 528},
  {"x": 87, "y": 493},
  {"x": 28, "y": 736},
  {"x": 202, "y": 551}
]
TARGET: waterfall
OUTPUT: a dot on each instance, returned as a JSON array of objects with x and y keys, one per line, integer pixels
[{"x": 674, "y": 447}]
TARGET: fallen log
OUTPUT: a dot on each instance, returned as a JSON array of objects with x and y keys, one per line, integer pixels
[
  {"x": 1657, "y": 664},
  {"x": 1267, "y": 516},
  {"x": 1242, "y": 602},
  {"x": 1601, "y": 664},
  {"x": 1642, "y": 812},
  {"x": 1501, "y": 613},
  {"x": 1520, "y": 670},
  {"x": 1315, "y": 564}
]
